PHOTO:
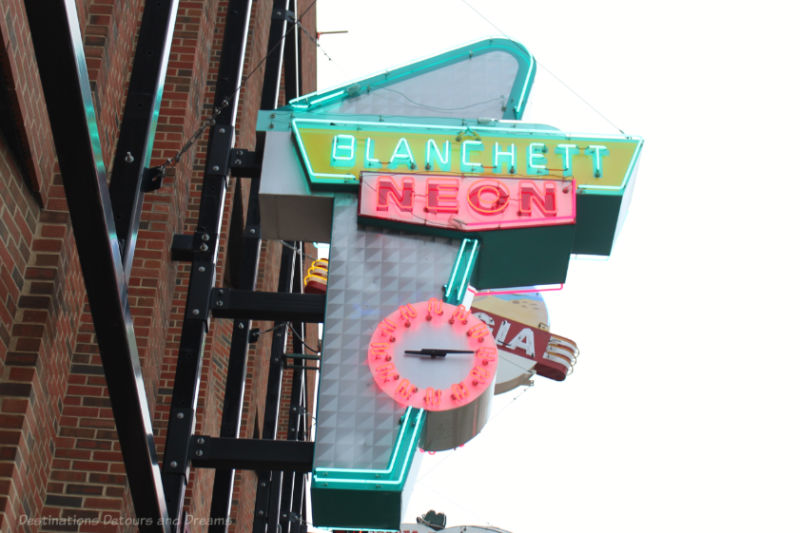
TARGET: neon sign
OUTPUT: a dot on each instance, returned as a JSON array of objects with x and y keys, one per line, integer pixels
[
  {"x": 432, "y": 355},
  {"x": 466, "y": 204},
  {"x": 336, "y": 152}
]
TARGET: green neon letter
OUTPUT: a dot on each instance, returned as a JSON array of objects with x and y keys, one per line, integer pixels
[
  {"x": 597, "y": 152},
  {"x": 510, "y": 158},
  {"x": 567, "y": 151},
  {"x": 369, "y": 157},
  {"x": 343, "y": 151},
  {"x": 402, "y": 155},
  {"x": 432, "y": 152},
  {"x": 537, "y": 162},
  {"x": 466, "y": 164}
]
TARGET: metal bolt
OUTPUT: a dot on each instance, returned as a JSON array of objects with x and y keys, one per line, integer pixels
[
  {"x": 222, "y": 130},
  {"x": 237, "y": 162},
  {"x": 199, "y": 453},
  {"x": 180, "y": 415},
  {"x": 263, "y": 483},
  {"x": 206, "y": 237},
  {"x": 173, "y": 464},
  {"x": 215, "y": 168},
  {"x": 203, "y": 247},
  {"x": 128, "y": 158},
  {"x": 201, "y": 440},
  {"x": 241, "y": 325},
  {"x": 260, "y": 512},
  {"x": 201, "y": 269},
  {"x": 252, "y": 231},
  {"x": 195, "y": 312},
  {"x": 219, "y": 303}
]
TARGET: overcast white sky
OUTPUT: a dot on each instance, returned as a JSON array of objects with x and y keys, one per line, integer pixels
[{"x": 682, "y": 414}]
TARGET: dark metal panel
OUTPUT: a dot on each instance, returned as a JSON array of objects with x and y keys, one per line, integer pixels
[
  {"x": 272, "y": 73},
  {"x": 59, "y": 51},
  {"x": 252, "y": 454},
  {"x": 139, "y": 120},
  {"x": 278, "y": 306},
  {"x": 201, "y": 280}
]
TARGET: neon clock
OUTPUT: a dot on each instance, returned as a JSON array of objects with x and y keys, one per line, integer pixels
[{"x": 432, "y": 355}]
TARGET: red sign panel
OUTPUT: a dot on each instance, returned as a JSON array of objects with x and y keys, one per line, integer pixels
[
  {"x": 554, "y": 355},
  {"x": 467, "y": 204}
]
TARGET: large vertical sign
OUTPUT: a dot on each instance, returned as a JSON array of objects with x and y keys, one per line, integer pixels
[{"x": 416, "y": 209}]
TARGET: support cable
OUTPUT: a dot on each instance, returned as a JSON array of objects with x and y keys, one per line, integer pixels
[{"x": 539, "y": 63}]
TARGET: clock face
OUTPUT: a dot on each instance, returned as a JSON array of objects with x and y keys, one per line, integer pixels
[{"x": 432, "y": 355}]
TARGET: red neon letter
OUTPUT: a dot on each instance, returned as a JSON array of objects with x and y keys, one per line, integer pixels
[
  {"x": 403, "y": 200},
  {"x": 461, "y": 314},
  {"x": 479, "y": 331},
  {"x": 458, "y": 392},
  {"x": 380, "y": 350},
  {"x": 498, "y": 202},
  {"x": 528, "y": 194},
  {"x": 442, "y": 195},
  {"x": 434, "y": 306},
  {"x": 433, "y": 397},
  {"x": 479, "y": 375},
  {"x": 386, "y": 371},
  {"x": 486, "y": 355},
  {"x": 405, "y": 390}
]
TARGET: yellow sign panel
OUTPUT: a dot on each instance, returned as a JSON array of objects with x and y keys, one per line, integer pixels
[{"x": 336, "y": 152}]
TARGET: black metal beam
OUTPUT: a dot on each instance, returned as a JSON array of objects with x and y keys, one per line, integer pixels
[
  {"x": 272, "y": 73},
  {"x": 267, "y": 508},
  {"x": 237, "y": 361},
  {"x": 182, "y": 248},
  {"x": 252, "y": 454},
  {"x": 277, "y": 306},
  {"x": 201, "y": 280},
  {"x": 291, "y": 60},
  {"x": 297, "y": 393},
  {"x": 245, "y": 163},
  {"x": 139, "y": 120},
  {"x": 55, "y": 32}
]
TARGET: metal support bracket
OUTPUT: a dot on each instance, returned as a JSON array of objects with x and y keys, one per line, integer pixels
[
  {"x": 252, "y": 454},
  {"x": 181, "y": 249},
  {"x": 151, "y": 179},
  {"x": 276, "y": 306},
  {"x": 283, "y": 14},
  {"x": 245, "y": 163}
]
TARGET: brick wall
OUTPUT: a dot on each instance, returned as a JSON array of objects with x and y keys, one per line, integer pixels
[{"x": 59, "y": 453}]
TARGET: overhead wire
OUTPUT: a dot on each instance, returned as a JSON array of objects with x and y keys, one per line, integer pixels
[
  {"x": 553, "y": 74},
  {"x": 225, "y": 102}
]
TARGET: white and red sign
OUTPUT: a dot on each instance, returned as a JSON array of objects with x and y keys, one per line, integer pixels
[{"x": 555, "y": 356}]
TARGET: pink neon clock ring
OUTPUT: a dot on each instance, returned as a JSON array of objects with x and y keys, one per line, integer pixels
[{"x": 432, "y": 355}]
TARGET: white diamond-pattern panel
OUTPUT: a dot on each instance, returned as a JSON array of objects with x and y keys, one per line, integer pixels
[{"x": 371, "y": 272}]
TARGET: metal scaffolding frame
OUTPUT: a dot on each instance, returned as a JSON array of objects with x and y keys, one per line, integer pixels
[{"x": 105, "y": 221}]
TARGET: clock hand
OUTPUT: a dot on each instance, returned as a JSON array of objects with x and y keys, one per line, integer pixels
[{"x": 436, "y": 352}]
